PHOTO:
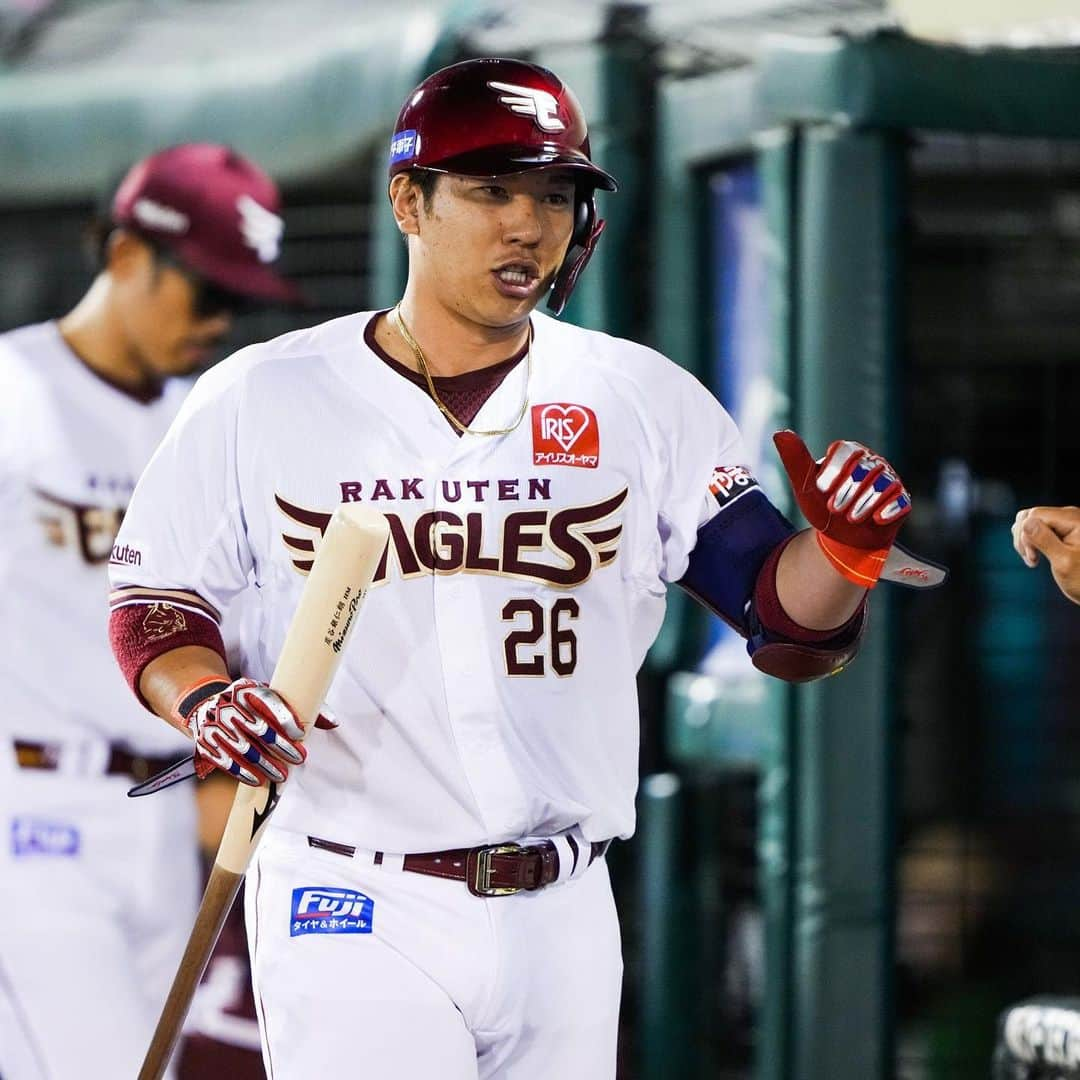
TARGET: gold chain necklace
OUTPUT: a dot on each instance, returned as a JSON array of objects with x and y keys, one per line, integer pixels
[{"x": 422, "y": 364}]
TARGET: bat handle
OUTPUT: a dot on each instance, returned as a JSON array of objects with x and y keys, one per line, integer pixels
[{"x": 220, "y": 893}]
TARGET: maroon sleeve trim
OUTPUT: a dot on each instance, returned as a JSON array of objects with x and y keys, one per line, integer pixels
[
  {"x": 178, "y": 598},
  {"x": 779, "y": 624},
  {"x": 140, "y": 633}
]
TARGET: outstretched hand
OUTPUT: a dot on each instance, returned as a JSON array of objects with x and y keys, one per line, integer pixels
[
  {"x": 852, "y": 497},
  {"x": 1054, "y": 532}
]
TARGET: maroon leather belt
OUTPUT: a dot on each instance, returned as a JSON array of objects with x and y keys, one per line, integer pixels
[
  {"x": 493, "y": 870},
  {"x": 120, "y": 762}
]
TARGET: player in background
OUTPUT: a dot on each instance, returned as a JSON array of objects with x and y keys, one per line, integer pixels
[
  {"x": 96, "y": 891},
  {"x": 431, "y": 896},
  {"x": 1052, "y": 531}
]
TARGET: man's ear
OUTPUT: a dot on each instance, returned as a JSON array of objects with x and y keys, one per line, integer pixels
[
  {"x": 125, "y": 253},
  {"x": 405, "y": 198}
]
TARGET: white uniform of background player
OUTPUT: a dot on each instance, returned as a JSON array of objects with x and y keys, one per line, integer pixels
[
  {"x": 72, "y": 448},
  {"x": 488, "y": 695},
  {"x": 96, "y": 891}
]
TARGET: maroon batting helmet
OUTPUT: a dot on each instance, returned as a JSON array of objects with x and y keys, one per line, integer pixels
[{"x": 495, "y": 117}]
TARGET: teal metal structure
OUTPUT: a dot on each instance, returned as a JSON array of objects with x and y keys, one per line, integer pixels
[{"x": 827, "y": 122}]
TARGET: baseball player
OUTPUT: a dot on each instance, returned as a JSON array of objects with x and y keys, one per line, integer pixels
[
  {"x": 97, "y": 892},
  {"x": 431, "y": 897},
  {"x": 1054, "y": 532}
]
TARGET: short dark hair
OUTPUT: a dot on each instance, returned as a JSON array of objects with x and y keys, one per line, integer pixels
[
  {"x": 99, "y": 232},
  {"x": 96, "y": 241},
  {"x": 426, "y": 180}
]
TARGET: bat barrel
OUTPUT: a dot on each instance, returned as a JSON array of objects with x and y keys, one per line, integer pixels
[
  {"x": 216, "y": 903},
  {"x": 314, "y": 644}
]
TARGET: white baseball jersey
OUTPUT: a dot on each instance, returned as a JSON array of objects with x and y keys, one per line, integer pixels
[
  {"x": 489, "y": 690},
  {"x": 71, "y": 448}
]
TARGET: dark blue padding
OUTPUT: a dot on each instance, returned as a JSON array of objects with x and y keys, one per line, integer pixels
[{"x": 730, "y": 551}]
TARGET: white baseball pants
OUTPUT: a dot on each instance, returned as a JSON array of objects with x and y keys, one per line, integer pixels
[
  {"x": 421, "y": 979},
  {"x": 98, "y": 894}
]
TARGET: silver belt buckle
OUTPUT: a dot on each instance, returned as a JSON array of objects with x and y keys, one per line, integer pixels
[{"x": 484, "y": 871}]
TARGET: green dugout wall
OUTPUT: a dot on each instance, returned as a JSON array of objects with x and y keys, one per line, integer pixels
[
  {"x": 67, "y": 130},
  {"x": 826, "y": 121},
  {"x": 323, "y": 110}
]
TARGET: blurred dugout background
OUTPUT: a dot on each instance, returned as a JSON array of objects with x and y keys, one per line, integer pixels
[{"x": 838, "y": 227}]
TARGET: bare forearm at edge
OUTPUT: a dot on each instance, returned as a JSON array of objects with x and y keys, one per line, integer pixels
[
  {"x": 165, "y": 678},
  {"x": 811, "y": 592}
]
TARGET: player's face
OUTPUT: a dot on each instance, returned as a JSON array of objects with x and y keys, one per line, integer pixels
[
  {"x": 489, "y": 247},
  {"x": 173, "y": 320}
]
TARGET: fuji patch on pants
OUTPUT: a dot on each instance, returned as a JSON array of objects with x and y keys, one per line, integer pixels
[
  {"x": 38, "y": 836},
  {"x": 323, "y": 909}
]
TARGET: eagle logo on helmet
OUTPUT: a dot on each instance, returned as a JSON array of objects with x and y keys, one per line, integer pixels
[{"x": 528, "y": 101}]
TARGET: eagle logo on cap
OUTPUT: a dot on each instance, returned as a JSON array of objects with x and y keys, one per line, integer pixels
[
  {"x": 261, "y": 228},
  {"x": 528, "y": 101}
]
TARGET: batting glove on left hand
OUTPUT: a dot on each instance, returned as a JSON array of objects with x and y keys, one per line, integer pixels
[{"x": 854, "y": 500}]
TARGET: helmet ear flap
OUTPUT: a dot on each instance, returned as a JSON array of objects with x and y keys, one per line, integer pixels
[
  {"x": 587, "y": 229},
  {"x": 584, "y": 217}
]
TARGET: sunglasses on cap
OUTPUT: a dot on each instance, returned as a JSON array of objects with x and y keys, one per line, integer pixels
[{"x": 208, "y": 299}]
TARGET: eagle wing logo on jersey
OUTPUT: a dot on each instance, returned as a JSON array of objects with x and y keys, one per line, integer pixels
[
  {"x": 561, "y": 547},
  {"x": 262, "y": 229},
  {"x": 91, "y": 529},
  {"x": 301, "y": 548},
  {"x": 528, "y": 101}
]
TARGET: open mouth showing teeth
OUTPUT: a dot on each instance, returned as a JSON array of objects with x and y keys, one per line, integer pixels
[{"x": 513, "y": 276}]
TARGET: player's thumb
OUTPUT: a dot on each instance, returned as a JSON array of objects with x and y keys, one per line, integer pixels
[
  {"x": 796, "y": 458},
  {"x": 802, "y": 470}
]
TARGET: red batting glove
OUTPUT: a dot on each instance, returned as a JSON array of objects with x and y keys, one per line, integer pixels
[
  {"x": 243, "y": 728},
  {"x": 853, "y": 499}
]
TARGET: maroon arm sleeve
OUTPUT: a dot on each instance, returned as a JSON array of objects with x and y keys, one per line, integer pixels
[
  {"x": 779, "y": 646},
  {"x": 777, "y": 621},
  {"x": 140, "y": 633}
]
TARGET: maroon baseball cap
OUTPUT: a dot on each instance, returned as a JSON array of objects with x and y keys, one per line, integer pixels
[{"x": 215, "y": 210}]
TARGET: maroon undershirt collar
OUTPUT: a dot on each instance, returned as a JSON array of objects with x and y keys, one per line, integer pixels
[{"x": 464, "y": 395}]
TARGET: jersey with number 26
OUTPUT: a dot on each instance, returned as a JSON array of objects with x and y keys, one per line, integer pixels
[{"x": 488, "y": 692}]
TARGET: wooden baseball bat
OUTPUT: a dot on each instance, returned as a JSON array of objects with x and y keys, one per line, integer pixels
[{"x": 314, "y": 646}]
